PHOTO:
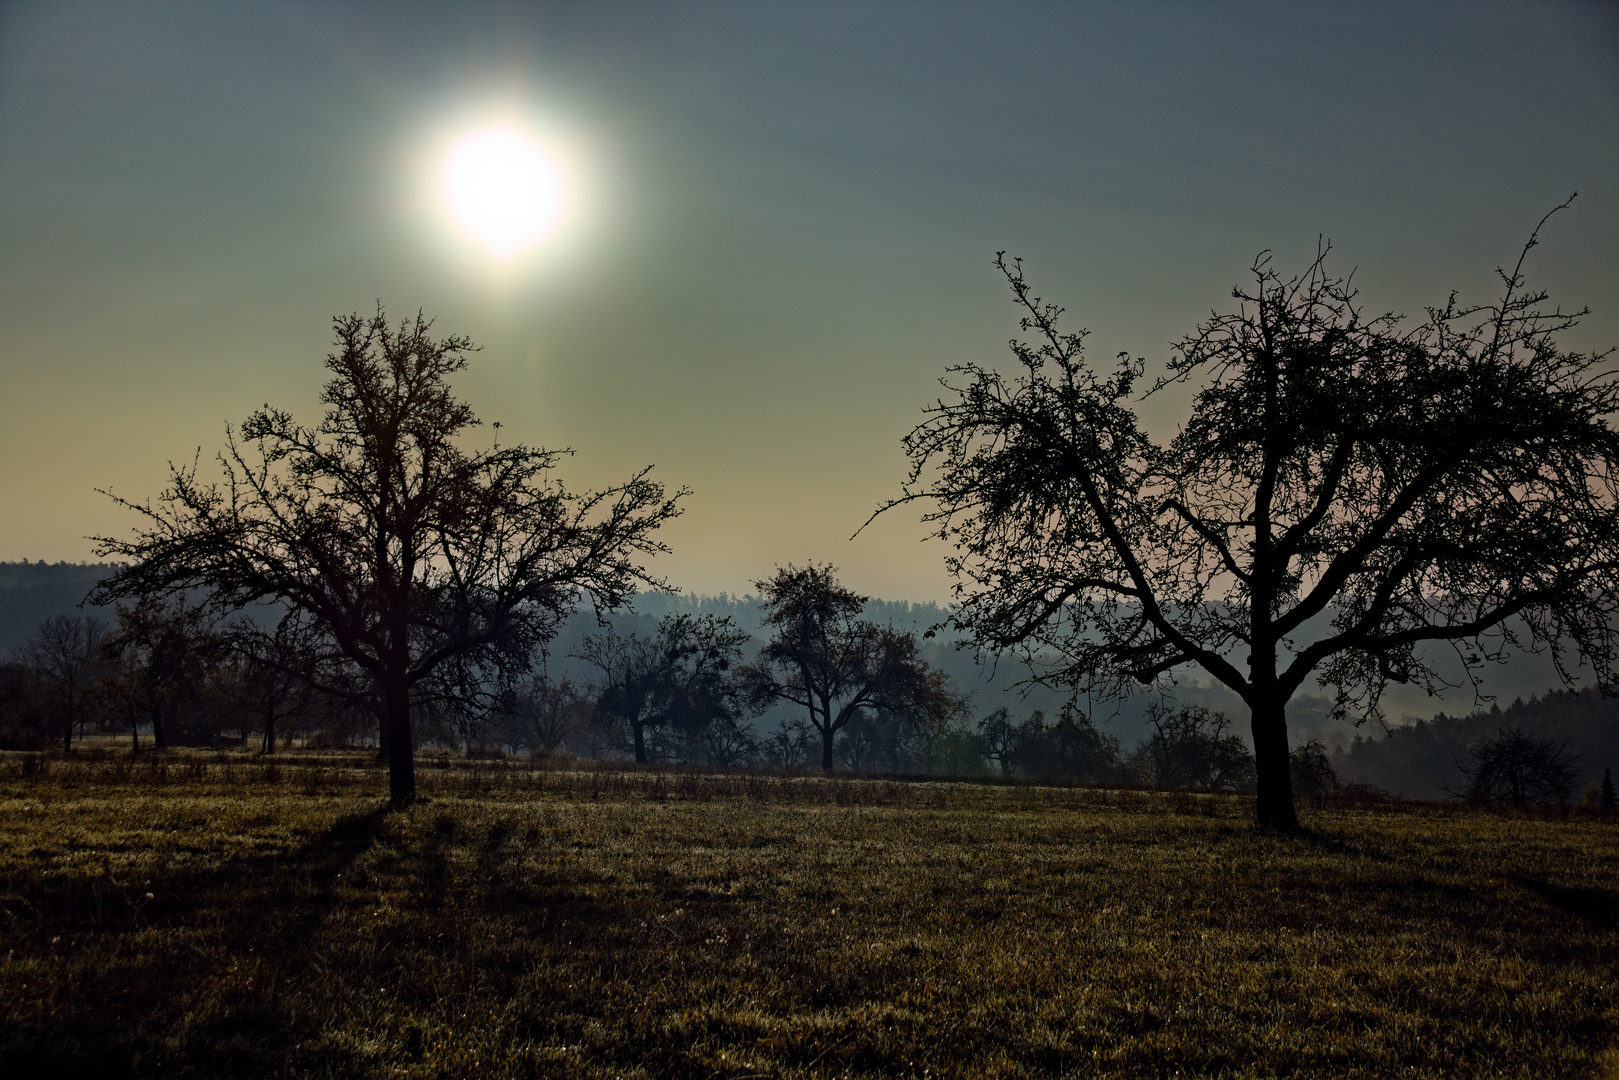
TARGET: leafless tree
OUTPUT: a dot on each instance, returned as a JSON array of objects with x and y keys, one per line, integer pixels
[
  {"x": 164, "y": 651},
  {"x": 403, "y": 546},
  {"x": 1346, "y": 492},
  {"x": 679, "y": 677},
  {"x": 542, "y": 713},
  {"x": 64, "y": 652},
  {"x": 1191, "y": 748},
  {"x": 1519, "y": 769},
  {"x": 826, "y": 659}
]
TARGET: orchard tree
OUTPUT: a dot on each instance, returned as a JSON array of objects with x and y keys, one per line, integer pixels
[
  {"x": 162, "y": 650},
  {"x": 680, "y": 677},
  {"x": 64, "y": 654},
  {"x": 1346, "y": 493},
  {"x": 275, "y": 672},
  {"x": 1519, "y": 769},
  {"x": 835, "y": 665},
  {"x": 385, "y": 530}
]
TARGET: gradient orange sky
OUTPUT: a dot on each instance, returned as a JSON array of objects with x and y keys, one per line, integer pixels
[{"x": 792, "y": 211}]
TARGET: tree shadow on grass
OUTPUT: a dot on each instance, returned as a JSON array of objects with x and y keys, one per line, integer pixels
[
  {"x": 281, "y": 964},
  {"x": 117, "y": 1007},
  {"x": 1599, "y": 907}
]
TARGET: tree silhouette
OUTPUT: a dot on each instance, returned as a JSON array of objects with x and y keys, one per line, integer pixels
[
  {"x": 1518, "y": 769},
  {"x": 826, "y": 659},
  {"x": 380, "y": 527},
  {"x": 679, "y": 677},
  {"x": 1344, "y": 492},
  {"x": 163, "y": 649},
  {"x": 64, "y": 652}
]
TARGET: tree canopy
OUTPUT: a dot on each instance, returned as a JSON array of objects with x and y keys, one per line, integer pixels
[{"x": 1347, "y": 491}]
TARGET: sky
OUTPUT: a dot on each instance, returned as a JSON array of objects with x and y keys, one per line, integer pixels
[{"x": 779, "y": 228}]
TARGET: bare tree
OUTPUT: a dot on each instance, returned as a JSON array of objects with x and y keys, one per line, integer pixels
[
  {"x": 542, "y": 713},
  {"x": 275, "y": 671},
  {"x": 1313, "y": 774},
  {"x": 64, "y": 652},
  {"x": 25, "y": 719},
  {"x": 824, "y": 658},
  {"x": 1518, "y": 769},
  {"x": 679, "y": 677},
  {"x": 164, "y": 650},
  {"x": 1192, "y": 749},
  {"x": 1345, "y": 493},
  {"x": 403, "y": 546}
]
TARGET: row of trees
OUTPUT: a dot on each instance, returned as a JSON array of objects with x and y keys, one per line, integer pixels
[
  {"x": 864, "y": 700},
  {"x": 167, "y": 668},
  {"x": 687, "y": 691}
]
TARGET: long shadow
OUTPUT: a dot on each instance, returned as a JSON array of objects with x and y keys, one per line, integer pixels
[
  {"x": 107, "y": 1025},
  {"x": 268, "y": 913},
  {"x": 1599, "y": 907}
]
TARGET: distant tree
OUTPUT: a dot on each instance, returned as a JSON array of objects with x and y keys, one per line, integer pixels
[
  {"x": 275, "y": 672},
  {"x": 679, "y": 677},
  {"x": 25, "y": 720},
  {"x": 726, "y": 741},
  {"x": 1313, "y": 774},
  {"x": 1605, "y": 798},
  {"x": 1344, "y": 492},
  {"x": 165, "y": 650},
  {"x": 541, "y": 713},
  {"x": 1071, "y": 749},
  {"x": 824, "y": 658},
  {"x": 64, "y": 653},
  {"x": 383, "y": 529},
  {"x": 999, "y": 735},
  {"x": 1192, "y": 749},
  {"x": 792, "y": 745},
  {"x": 1518, "y": 769}
]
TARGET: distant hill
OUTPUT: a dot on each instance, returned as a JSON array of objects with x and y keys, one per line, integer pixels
[
  {"x": 1418, "y": 759},
  {"x": 32, "y": 592}
]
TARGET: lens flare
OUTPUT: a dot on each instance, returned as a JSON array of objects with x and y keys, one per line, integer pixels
[{"x": 504, "y": 190}]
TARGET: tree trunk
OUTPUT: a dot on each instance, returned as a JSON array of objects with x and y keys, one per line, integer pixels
[
  {"x": 640, "y": 742},
  {"x": 1274, "y": 775},
  {"x": 269, "y": 732},
  {"x": 396, "y": 737},
  {"x": 134, "y": 732},
  {"x": 827, "y": 734},
  {"x": 160, "y": 739},
  {"x": 67, "y": 734}
]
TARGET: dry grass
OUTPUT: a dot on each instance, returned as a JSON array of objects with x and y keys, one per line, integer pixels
[{"x": 207, "y": 916}]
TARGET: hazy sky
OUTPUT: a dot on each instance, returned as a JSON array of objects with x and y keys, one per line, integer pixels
[{"x": 785, "y": 221}]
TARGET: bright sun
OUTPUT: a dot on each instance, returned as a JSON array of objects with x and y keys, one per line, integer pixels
[{"x": 504, "y": 190}]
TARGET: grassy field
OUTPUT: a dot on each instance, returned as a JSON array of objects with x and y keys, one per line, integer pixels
[{"x": 208, "y": 915}]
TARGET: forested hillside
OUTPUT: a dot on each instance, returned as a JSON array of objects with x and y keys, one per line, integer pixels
[
  {"x": 30, "y": 592},
  {"x": 1421, "y": 760}
]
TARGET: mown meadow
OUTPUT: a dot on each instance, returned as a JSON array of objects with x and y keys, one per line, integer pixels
[{"x": 214, "y": 914}]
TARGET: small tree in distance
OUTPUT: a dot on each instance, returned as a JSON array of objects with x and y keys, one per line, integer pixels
[
  {"x": 824, "y": 658},
  {"x": 64, "y": 652},
  {"x": 1192, "y": 749},
  {"x": 1517, "y": 769},
  {"x": 677, "y": 678},
  {"x": 404, "y": 548},
  {"x": 1344, "y": 492}
]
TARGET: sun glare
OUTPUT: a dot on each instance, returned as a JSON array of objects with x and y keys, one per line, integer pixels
[{"x": 503, "y": 190}]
